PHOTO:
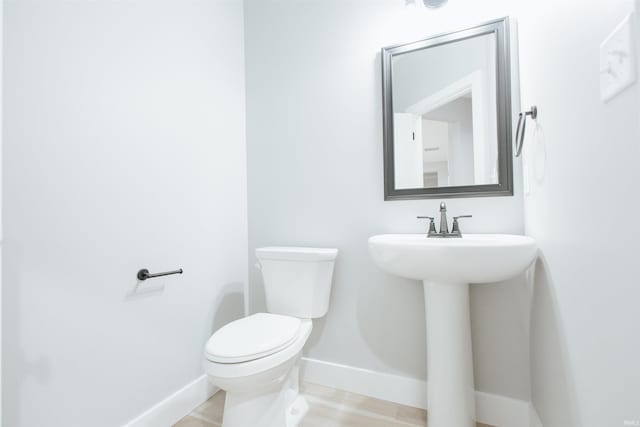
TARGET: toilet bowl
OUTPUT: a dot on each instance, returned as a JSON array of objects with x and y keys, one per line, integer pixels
[{"x": 255, "y": 359}]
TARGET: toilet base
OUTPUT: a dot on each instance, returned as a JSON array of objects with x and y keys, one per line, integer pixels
[
  {"x": 297, "y": 411},
  {"x": 277, "y": 404}
]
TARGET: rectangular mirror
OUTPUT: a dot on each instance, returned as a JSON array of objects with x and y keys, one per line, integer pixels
[{"x": 447, "y": 115}]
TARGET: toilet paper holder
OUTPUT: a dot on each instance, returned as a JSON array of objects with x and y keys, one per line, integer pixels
[{"x": 144, "y": 274}]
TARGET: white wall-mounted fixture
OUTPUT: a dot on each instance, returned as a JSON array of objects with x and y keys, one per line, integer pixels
[{"x": 617, "y": 60}]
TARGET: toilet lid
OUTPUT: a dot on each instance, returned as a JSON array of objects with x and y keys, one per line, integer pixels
[{"x": 253, "y": 337}]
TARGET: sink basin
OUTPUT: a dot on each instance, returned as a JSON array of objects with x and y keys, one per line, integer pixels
[
  {"x": 474, "y": 258},
  {"x": 446, "y": 267}
]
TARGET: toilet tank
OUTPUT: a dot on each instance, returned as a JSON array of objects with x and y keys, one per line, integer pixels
[{"x": 297, "y": 281}]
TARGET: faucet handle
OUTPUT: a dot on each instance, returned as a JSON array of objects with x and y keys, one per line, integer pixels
[
  {"x": 455, "y": 227},
  {"x": 462, "y": 216},
  {"x": 432, "y": 225}
]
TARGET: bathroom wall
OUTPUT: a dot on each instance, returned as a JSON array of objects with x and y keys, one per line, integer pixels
[
  {"x": 1, "y": 127},
  {"x": 582, "y": 178},
  {"x": 124, "y": 148},
  {"x": 314, "y": 137}
]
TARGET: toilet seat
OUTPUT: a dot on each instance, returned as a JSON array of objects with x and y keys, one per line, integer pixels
[
  {"x": 258, "y": 366},
  {"x": 252, "y": 337}
]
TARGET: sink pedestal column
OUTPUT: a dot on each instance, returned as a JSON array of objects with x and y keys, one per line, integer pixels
[{"x": 451, "y": 393}]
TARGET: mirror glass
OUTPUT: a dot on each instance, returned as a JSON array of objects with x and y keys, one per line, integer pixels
[
  {"x": 447, "y": 111},
  {"x": 445, "y": 131}
]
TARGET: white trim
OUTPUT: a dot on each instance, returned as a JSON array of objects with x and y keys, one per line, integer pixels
[
  {"x": 469, "y": 83},
  {"x": 175, "y": 407},
  {"x": 393, "y": 388},
  {"x": 493, "y": 409},
  {"x": 501, "y": 411}
]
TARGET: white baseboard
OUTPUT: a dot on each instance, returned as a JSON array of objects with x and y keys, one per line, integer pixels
[
  {"x": 394, "y": 388},
  {"x": 499, "y": 411},
  {"x": 175, "y": 407},
  {"x": 496, "y": 410}
]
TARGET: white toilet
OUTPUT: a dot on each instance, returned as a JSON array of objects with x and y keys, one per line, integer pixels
[{"x": 255, "y": 359}]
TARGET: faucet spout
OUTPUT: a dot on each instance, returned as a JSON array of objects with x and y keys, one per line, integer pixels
[{"x": 444, "y": 228}]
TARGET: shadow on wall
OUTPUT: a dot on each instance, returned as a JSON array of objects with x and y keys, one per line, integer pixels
[
  {"x": 556, "y": 404},
  {"x": 319, "y": 323},
  {"x": 228, "y": 307},
  {"x": 499, "y": 314},
  {"x": 382, "y": 297}
]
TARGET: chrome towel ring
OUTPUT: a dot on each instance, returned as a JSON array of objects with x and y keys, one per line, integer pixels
[{"x": 522, "y": 120}]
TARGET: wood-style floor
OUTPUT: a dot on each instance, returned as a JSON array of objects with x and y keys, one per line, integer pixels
[{"x": 328, "y": 407}]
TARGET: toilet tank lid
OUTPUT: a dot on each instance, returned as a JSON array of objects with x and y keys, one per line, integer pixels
[{"x": 291, "y": 253}]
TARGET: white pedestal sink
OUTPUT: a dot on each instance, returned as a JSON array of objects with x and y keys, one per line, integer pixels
[{"x": 446, "y": 267}]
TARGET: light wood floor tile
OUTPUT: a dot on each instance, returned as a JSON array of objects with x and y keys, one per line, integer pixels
[
  {"x": 212, "y": 409},
  {"x": 323, "y": 392},
  {"x": 359, "y": 403},
  {"x": 328, "y": 407},
  {"x": 190, "y": 421},
  {"x": 413, "y": 416},
  {"x": 320, "y": 418}
]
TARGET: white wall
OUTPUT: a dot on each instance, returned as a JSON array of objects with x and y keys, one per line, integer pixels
[
  {"x": 1, "y": 236},
  {"x": 583, "y": 178},
  {"x": 123, "y": 148},
  {"x": 314, "y": 129}
]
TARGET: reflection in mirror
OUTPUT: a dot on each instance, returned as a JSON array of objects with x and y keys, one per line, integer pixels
[
  {"x": 444, "y": 126},
  {"x": 447, "y": 103}
]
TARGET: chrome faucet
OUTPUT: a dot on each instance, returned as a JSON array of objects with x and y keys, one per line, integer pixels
[{"x": 444, "y": 227}]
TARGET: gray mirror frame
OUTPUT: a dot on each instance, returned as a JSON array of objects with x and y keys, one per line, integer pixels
[{"x": 500, "y": 28}]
